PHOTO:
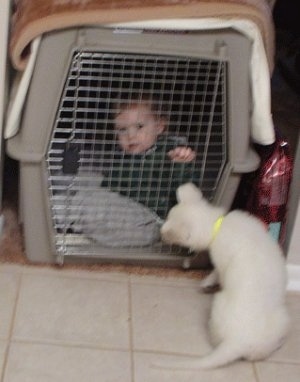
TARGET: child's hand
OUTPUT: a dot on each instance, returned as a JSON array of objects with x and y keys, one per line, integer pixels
[{"x": 182, "y": 154}]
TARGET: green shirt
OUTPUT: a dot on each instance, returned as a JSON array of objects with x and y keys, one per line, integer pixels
[{"x": 150, "y": 178}]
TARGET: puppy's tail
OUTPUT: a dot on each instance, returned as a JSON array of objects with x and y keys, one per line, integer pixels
[{"x": 222, "y": 355}]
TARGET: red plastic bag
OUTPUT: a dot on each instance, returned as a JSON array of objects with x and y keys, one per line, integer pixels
[{"x": 269, "y": 193}]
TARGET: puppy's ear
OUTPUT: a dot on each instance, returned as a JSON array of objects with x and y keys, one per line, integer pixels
[{"x": 188, "y": 192}]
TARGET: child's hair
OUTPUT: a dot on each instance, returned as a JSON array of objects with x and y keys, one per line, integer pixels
[{"x": 158, "y": 107}]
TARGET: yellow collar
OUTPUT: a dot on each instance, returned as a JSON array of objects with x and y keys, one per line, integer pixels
[{"x": 217, "y": 226}]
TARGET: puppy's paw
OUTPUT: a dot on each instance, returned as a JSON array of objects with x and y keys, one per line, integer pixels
[
  {"x": 210, "y": 289},
  {"x": 210, "y": 283}
]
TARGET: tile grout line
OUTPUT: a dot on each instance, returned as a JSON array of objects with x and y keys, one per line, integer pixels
[
  {"x": 254, "y": 367},
  {"x": 5, "y": 362},
  {"x": 68, "y": 345},
  {"x": 72, "y": 276},
  {"x": 131, "y": 342}
]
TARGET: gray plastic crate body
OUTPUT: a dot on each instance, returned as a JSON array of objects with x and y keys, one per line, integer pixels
[{"x": 216, "y": 119}]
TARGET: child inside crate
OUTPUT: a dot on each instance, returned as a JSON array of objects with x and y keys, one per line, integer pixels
[
  {"x": 139, "y": 185},
  {"x": 151, "y": 163}
]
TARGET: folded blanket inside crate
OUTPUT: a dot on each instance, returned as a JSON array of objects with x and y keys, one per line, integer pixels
[{"x": 113, "y": 220}]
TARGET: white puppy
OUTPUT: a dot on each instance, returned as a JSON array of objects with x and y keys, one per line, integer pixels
[{"x": 248, "y": 319}]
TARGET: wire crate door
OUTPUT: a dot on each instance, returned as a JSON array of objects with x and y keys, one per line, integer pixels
[{"x": 100, "y": 197}]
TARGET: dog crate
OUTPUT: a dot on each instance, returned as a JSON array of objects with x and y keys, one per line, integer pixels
[{"x": 67, "y": 142}]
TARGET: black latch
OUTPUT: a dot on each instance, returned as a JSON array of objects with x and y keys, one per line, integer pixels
[{"x": 70, "y": 163}]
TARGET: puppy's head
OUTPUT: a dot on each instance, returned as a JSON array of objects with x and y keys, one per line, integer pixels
[
  {"x": 189, "y": 193},
  {"x": 176, "y": 228},
  {"x": 184, "y": 225}
]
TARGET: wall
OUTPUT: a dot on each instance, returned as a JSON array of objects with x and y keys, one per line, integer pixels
[
  {"x": 293, "y": 226},
  {"x": 4, "y": 17}
]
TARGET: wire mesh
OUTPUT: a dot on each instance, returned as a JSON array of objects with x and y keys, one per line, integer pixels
[{"x": 106, "y": 196}]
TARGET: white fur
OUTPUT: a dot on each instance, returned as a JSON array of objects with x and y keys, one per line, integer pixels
[{"x": 248, "y": 319}]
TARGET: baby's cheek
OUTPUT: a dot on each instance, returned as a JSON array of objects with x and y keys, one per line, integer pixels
[{"x": 123, "y": 142}]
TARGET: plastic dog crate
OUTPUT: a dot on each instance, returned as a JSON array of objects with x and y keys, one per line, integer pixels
[{"x": 66, "y": 139}]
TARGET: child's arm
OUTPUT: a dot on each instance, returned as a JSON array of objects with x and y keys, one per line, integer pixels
[{"x": 182, "y": 154}]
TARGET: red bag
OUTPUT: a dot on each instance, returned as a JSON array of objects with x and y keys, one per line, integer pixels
[{"x": 270, "y": 188}]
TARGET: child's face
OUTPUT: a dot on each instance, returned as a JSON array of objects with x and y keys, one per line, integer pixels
[{"x": 137, "y": 128}]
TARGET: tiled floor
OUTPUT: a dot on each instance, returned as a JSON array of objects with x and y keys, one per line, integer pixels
[{"x": 59, "y": 325}]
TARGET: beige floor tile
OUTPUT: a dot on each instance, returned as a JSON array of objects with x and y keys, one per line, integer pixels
[
  {"x": 167, "y": 280},
  {"x": 290, "y": 351},
  {"x": 52, "y": 363},
  {"x": 170, "y": 319},
  {"x": 108, "y": 275},
  {"x": 277, "y": 372},
  {"x": 8, "y": 293},
  {"x": 11, "y": 268},
  {"x": 73, "y": 311},
  {"x": 144, "y": 372}
]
